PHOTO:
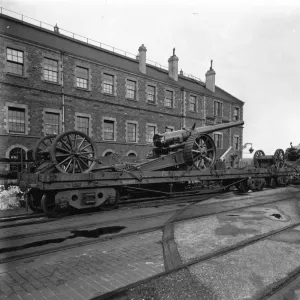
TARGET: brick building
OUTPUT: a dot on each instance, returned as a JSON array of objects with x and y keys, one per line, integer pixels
[{"x": 51, "y": 83}]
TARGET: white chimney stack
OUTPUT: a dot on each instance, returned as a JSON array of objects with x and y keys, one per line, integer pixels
[
  {"x": 173, "y": 66},
  {"x": 142, "y": 59},
  {"x": 210, "y": 78}
]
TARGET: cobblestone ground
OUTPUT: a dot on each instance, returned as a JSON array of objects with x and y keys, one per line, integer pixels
[{"x": 84, "y": 272}]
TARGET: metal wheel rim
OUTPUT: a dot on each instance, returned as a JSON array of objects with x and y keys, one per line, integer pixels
[
  {"x": 279, "y": 158},
  {"x": 73, "y": 152},
  {"x": 41, "y": 145},
  {"x": 203, "y": 152},
  {"x": 256, "y": 155}
]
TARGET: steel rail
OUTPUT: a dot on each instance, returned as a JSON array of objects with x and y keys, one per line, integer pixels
[{"x": 133, "y": 232}]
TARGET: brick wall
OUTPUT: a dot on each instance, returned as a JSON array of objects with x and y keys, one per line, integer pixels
[{"x": 33, "y": 91}]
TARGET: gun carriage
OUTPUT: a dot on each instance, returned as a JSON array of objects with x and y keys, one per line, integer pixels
[{"x": 66, "y": 172}]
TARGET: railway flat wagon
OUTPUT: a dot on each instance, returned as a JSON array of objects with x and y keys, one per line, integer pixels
[{"x": 67, "y": 174}]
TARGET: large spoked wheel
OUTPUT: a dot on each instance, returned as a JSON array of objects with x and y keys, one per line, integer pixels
[
  {"x": 40, "y": 147},
  {"x": 34, "y": 201},
  {"x": 279, "y": 158},
  {"x": 73, "y": 152},
  {"x": 200, "y": 151},
  {"x": 257, "y": 154},
  {"x": 111, "y": 203}
]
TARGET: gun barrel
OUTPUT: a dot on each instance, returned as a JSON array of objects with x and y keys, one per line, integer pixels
[{"x": 213, "y": 128}]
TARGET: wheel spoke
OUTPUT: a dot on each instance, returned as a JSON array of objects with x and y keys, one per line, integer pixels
[
  {"x": 68, "y": 165},
  {"x": 86, "y": 146},
  {"x": 78, "y": 163},
  {"x": 62, "y": 150},
  {"x": 75, "y": 142},
  {"x": 74, "y": 165},
  {"x": 81, "y": 143},
  {"x": 90, "y": 152},
  {"x": 65, "y": 144},
  {"x": 79, "y": 158},
  {"x": 198, "y": 151},
  {"x": 70, "y": 142},
  {"x": 64, "y": 160}
]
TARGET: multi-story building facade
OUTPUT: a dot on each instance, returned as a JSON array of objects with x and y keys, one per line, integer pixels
[{"x": 51, "y": 83}]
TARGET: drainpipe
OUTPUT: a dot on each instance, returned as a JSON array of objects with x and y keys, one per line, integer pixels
[
  {"x": 62, "y": 92},
  {"x": 183, "y": 108}
]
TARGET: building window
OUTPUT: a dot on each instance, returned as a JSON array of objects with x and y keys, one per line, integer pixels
[
  {"x": 52, "y": 121},
  {"x": 192, "y": 103},
  {"x": 109, "y": 130},
  {"x": 108, "y": 84},
  {"x": 151, "y": 94},
  {"x": 15, "y": 61},
  {"x": 83, "y": 124},
  {"x": 17, "y": 157},
  {"x": 131, "y": 154},
  {"x": 218, "y": 140},
  {"x": 50, "y": 70},
  {"x": 16, "y": 119},
  {"x": 236, "y": 142},
  {"x": 130, "y": 89},
  {"x": 169, "y": 99},
  {"x": 108, "y": 153},
  {"x": 236, "y": 114},
  {"x": 151, "y": 131},
  {"x": 82, "y": 77},
  {"x": 131, "y": 132},
  {"x": 218, "y": 108}
]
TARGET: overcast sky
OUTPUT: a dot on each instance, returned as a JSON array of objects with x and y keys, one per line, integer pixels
[{"x": 254, "y": 44}]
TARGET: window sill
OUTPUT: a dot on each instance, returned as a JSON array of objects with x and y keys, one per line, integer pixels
[
  {"x": 168, "y": 107},
  {"x": 17, "y": 75},
  {"x": 17, "y": 133},
  {"x": 152, "y": 103},
  {"x": 192, "y": 111},
  {"x": 108, "y": 94},
  {"x": 109, "y": 141},
  {"x": 131, "y": 142},
  {"x": 82, "y": 89},
  {"x": 130, "y": 99},
  {"x": 52, "y": 82}
]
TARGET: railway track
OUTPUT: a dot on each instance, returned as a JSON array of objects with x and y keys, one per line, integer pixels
[
  {"x": 40, "y": 218},
  {"x": 136, "y": 289},
  {"x": 215, "y": 208}
]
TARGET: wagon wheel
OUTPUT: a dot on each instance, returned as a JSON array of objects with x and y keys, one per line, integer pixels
[
  {"x": 73, "y": 152},
  {"x": 257, "y": 154},
  {"x": 243, "y": 187},
  {"x": 279, "y": 158},
  {"x": 200, "y": 151},
  {"x": 111, "y": 203},
  {"x": 34, "y": 201},
  {"x": 48, "y": 205},
  {"x": 41, "y": 145}
]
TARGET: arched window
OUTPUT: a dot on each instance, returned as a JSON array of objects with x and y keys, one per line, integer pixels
[
  {"x": 17, "y": 155},
  {"x": 132, "y": 154},
  {"x": 108, "y": 152}
]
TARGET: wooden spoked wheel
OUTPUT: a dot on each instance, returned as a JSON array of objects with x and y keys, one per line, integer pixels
[
  {"x": 200, "y": 151},
  {"x": 42, "y": 144},
  {"x": 73, "y": 152},
  {"x": 257, "y": 154},
  {"x": 279, "y": 158}
]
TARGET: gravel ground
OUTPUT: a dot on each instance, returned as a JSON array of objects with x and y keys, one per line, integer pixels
[{"x": 175, "y": 286}]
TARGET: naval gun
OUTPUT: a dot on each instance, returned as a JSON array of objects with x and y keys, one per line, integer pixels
[{"x": 192, "y": 147}]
